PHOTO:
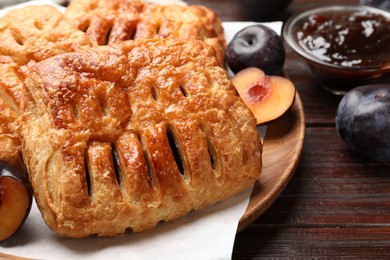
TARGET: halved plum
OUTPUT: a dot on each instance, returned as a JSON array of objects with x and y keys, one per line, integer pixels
[
  {"x": 15, "y": 199},
  {"x": 268, "y": 97}
]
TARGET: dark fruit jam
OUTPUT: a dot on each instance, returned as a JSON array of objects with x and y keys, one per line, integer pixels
[{"x": 347, "y": 38}]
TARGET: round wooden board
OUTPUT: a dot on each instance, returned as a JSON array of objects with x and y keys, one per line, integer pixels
[{"x": 281, "y": 152}]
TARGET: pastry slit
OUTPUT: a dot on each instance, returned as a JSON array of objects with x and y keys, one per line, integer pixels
[
  {"x": 133, "y": 31},
  {"x": 104, "y": 108},
  {"x": 176, "y": 151},
  {"x": 38, "y": 25},
  {"x": 76, "y": 112},
  {"x": 154, "y": 92},
  {"x": 148, "y": 163},
  {"x": 107, "y": 38},
  {"x": 84, "y": 26},
  {"x": 184, "y": 90},
  {"x": 17, "y": 38},
  {"x": 87, "y": 172},
  {"x": 157, "y": 31},
  {"x": 210, "y": 149},
  {"x": 117, "y": 164},
  {"x": 211, "y": 153},
  {"x": 212, "y": 83}
]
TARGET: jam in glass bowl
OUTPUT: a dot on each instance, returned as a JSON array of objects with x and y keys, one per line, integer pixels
[{"x": 343, "y": 46}]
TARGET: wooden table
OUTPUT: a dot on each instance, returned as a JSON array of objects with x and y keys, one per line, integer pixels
[{"x": 337, "y": 204}]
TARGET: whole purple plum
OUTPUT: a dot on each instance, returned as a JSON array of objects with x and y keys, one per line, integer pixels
[
  {"x": 256, "y": 46},
  {"x": 363, "y": 121}
]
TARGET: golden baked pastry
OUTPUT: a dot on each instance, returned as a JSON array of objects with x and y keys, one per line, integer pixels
[
  {"x": 109, "y": 21},
  {"x": 28, "y": 35},
  {"x": 106, "y": 21},
  {"x": 9, "y": 112},
  {"x": 125, "y": 136}
]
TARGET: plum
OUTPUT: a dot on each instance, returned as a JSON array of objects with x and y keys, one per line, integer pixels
[
  {"x": 15, "y": 199},
  {"x": 363, "y": 121},
  {"x": 256, "y": 46},
  {"x": 268, "y": 97}
]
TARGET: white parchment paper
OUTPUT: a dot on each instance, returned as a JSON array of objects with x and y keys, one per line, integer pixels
[{"x": 205, "y": 234}]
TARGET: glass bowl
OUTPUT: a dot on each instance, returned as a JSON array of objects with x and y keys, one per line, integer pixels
[{"x": 328, "y": 59}]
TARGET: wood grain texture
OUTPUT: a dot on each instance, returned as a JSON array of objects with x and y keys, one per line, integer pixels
[{"x": 281, "y": 152}]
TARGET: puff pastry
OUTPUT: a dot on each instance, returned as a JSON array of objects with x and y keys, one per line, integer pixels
[
  {"x": 109, "y": 21},
  {"x": 125, "y": 136},
  {"x": 28, "y": 35}
]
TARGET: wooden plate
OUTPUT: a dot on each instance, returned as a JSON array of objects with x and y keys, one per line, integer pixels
[{"x": 281, "y": 152}]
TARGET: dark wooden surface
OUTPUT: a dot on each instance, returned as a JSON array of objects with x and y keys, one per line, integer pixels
[{"x": 337, "y": 204}]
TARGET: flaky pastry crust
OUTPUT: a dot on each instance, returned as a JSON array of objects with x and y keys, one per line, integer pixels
[
  {"x": 110, "y": 21},
  {"x": 125, "y": 136},
  {"x": 28, "y": 35}
]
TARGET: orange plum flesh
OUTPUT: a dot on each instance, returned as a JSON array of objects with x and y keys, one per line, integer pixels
[{"x": 268, "y": 97}]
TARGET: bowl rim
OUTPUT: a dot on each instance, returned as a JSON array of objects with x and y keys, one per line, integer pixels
[{"x": 291, "y": 22}]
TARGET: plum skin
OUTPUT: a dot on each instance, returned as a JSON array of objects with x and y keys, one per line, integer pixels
[
  {"x": 256, "y": 46},
  {"x": 19, "y": 175},
  {"x": 363, "y": 121}
]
